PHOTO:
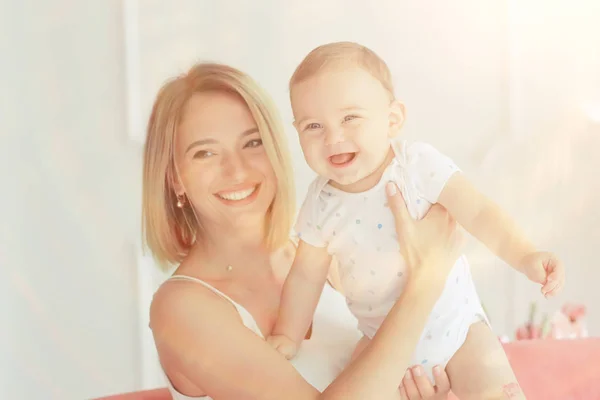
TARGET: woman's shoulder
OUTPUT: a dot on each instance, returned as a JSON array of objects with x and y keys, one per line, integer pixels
[{"x": 179, "y": 303}]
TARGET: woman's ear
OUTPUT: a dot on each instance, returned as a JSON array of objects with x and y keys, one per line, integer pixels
[
  {"x": 178, "y": 188},
  {"x": 175, "y": 182},
  {"x": 397, "y": 117}
]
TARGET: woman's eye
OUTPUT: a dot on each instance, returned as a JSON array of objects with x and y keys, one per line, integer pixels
[
  {"x": 312, "y": 126},
  {"x": 349, "y": 118},
  {"x": 254, "y": 143},
  {"x": 203, "y": 154}
]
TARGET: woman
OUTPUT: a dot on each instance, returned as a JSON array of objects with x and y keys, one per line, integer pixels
[{"x": 218, "y": 200}]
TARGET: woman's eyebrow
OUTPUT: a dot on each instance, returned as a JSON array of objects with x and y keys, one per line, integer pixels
[
  {"x": 213, "y": 141},
  {"x": 249, "y": 131}
]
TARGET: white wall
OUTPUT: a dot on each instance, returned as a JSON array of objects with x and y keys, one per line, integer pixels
[
  {"x": 551, "y": 182},
  {"x": 70, "y": 208},
  {"x": 69, "y": 205}
]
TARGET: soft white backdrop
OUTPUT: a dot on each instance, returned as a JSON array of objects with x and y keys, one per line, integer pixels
[{"x": 499, "y": 85}]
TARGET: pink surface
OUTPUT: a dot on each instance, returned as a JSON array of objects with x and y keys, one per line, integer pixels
[
  {"x": 546, "y": 370},
  {"x": 557, "y": 369}
]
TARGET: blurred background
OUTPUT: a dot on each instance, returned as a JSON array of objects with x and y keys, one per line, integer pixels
[{"x": 510, "y": 89}]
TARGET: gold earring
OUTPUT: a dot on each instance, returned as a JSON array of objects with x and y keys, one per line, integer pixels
[{"x": 180, "y": 200}]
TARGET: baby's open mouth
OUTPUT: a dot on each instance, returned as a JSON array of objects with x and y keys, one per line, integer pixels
[{"x": 342, "y": 160}]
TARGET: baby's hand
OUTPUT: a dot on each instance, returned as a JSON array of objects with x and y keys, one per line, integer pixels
[
  {"x": 545, "y": 269},
  {"x": 283, "y": 345}
]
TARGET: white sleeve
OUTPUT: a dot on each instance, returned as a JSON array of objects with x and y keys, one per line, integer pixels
[
  {"x": 431, "y": 169},
  {"x": 306, "y": 225}
]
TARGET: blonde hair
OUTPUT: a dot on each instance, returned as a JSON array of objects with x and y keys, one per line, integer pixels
[
  {"x": 343, "y": 53},
  {"x": 168, "y": 231}
]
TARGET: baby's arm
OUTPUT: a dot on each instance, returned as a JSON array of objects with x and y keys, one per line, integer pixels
[
  {"x": 439, "y": 180},
  {"x": 301, "y": 293},
  {"x": 485, "y": 220},
  {"x": 493, "y": 227}
]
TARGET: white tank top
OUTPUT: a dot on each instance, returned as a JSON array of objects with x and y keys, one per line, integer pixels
[{"x": 321, "y": 358}]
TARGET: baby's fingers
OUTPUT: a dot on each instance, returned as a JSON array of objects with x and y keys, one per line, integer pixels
[
  {"x": 556, "y": 289},
  {"x": 551, "y": 282},
  {"x": 554, "y": 281}
]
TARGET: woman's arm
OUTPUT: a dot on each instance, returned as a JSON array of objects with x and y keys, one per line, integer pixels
[
  {"x": 377, "y": 371},
  {"x": 201, "y": 337},
  {"x": 430, "y": 247}
]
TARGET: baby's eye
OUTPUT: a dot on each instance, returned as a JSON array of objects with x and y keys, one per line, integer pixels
[
  {"x": 312, "y": 126},
  {"x": 350, "y": 117}
]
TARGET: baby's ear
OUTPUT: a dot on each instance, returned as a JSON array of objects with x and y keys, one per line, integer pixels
[{"x": 397, "y": 117}]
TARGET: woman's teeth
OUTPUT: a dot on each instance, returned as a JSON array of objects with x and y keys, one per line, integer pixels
[{"x": 239, "y": 195}]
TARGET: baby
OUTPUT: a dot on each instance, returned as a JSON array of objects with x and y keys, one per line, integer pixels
[{"x": 348, "y": 118}]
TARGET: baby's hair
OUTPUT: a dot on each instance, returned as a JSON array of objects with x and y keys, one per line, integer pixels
[{"x": 343, "y": 53}]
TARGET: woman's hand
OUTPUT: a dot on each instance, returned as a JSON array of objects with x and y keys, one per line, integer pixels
[
  {"x": 430, "y": 246},
  {"x": 416, "y": 386}
]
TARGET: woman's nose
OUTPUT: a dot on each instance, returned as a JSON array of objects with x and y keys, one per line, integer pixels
[{"x": 234, "y": 167}]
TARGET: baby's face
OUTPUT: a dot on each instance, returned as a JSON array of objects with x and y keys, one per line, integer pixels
[{"x": 345, "y": 119}]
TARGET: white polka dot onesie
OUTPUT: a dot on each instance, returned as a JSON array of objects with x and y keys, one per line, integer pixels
[{"x": 358, "y": 229}]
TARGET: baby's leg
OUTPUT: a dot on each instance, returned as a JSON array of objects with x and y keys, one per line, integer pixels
[{"x": 480, "y": 369}]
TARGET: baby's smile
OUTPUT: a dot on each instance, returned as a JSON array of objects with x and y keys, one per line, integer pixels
[{"x": 342, "y": 160}]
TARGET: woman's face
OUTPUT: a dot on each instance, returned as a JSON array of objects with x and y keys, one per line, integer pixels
[{"x": 223, "y": 168}]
